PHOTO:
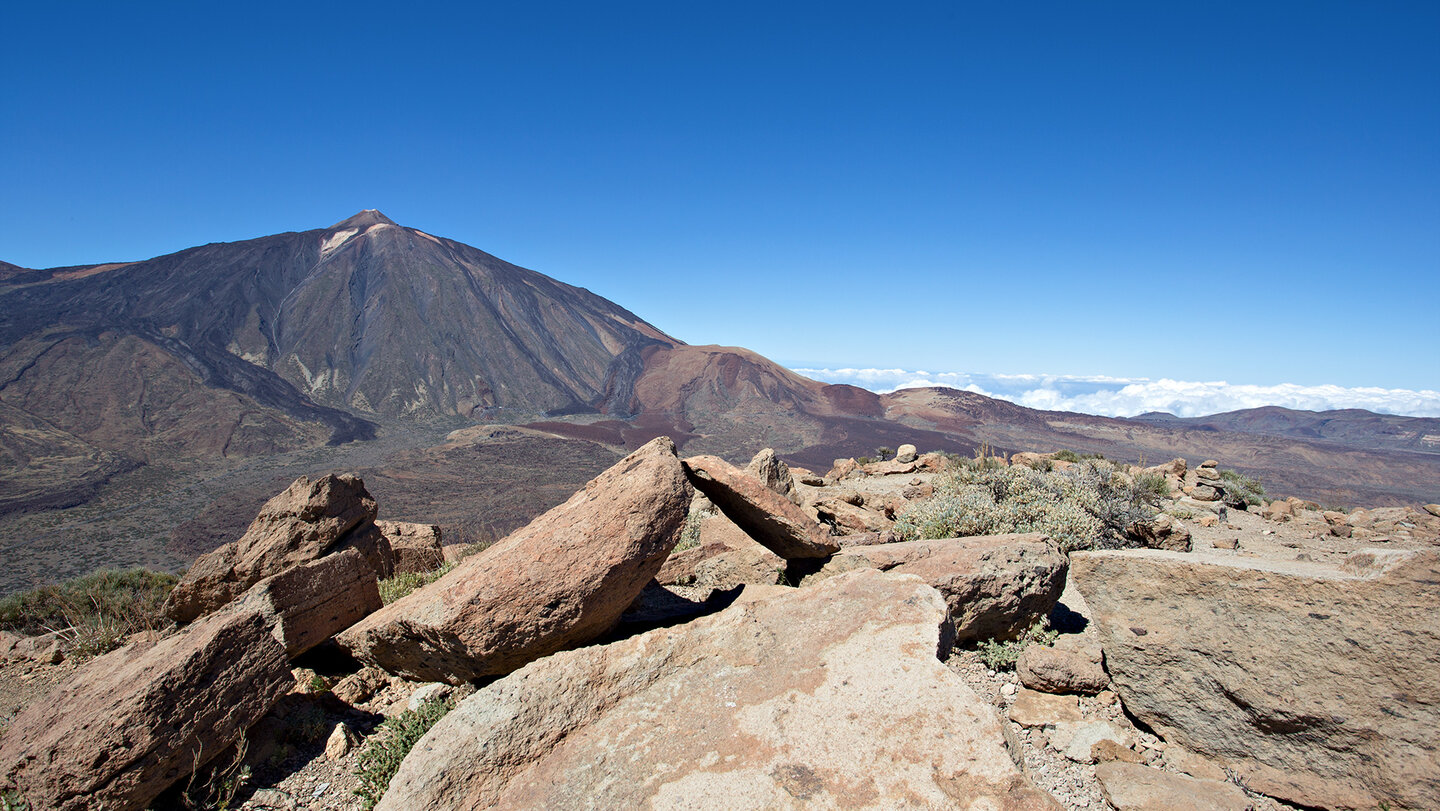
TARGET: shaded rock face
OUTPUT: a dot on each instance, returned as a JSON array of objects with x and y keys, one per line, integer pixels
[
  {"x": 1315, "y": 684},
  {"x": 773, "y": 473},
  {"x": 995, "y": 585},
  {"x": 771, "y": 703},
  {"x": 561, "y": 581},
  {"x": 309, "y": 603},
  {"x": 308, "y": 520},
  {"x": 416, "y": 547},
  {"x": 1162, "y": 532},
  {"x": 763, "y": 514},
  {"x": 130, "y": 723}
]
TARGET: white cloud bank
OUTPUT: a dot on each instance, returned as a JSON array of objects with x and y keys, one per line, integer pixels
[{"x": 1127, "y": 397}]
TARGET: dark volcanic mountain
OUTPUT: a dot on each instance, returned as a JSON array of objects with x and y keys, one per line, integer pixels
[
  {"x": 364, "y": 317},
  {"x": 285, "y": 341}
]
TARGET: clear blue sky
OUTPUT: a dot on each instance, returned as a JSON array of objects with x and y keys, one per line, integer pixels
[{"x": 1238, "y": 191}]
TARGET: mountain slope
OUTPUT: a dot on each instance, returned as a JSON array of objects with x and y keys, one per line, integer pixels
[{"x": 328, "y": 328}]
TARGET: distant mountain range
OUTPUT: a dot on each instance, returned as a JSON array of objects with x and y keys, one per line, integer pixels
[
  {"x": 1355, "y": 427},
  {"x": 124, "y": 381}
]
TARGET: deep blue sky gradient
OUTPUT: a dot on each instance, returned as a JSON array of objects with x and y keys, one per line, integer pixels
[{"x": 1205, "y": 191}]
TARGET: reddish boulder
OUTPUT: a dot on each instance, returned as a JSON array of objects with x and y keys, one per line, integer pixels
[
  {"x": 996, "y": 585},
  {"x": 309, "y": 603},
  {"x": 309, "y": 520},
  {"x": 1162, "y": 532},
  {"x": 773, "y": 473},
  {"x": 561, "y": 581},
  {"x": 762, "y": 513},
  {"x": 131, "y": 723}
]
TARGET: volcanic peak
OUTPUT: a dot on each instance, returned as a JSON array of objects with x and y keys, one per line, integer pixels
[{"x": 363, "y": 220}]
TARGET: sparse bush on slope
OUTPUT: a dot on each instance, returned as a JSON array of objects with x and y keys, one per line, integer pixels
[
  {"x": 96, "y": 611},
  {"x": 400, "y": 585},
  {"x": 394, "y": 739},
  {"x": 1241, "y": 490},
  {"x": 1087, "y": 506}
]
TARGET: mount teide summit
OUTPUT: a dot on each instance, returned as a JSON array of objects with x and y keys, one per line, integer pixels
[{"x": 362, "y": 320}]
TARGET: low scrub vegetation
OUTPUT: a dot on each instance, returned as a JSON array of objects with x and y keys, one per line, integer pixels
[
  {"x": 1242, "y": 491},
  {"x": 690, "y": 533},
  {"x": 1085, "y": 506},
  {"x": 95, "y": 612},
  {"x": 1002, "y": 654},
  {"x": 393, "y": 588},
  {"x": 392, "y": 741}
]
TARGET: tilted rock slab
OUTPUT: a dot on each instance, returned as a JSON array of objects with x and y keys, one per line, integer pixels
[
  {"x": 307, "y": 604},
  {"x": 561, "y": 581},
  {"x": 130, "y": 723},
  {"x": 830, "y": 697},
  {"x": 765, "y": 515},
  {"x": 309, "y": 520},
  {"x": 995, "y": 585},
  {"x": 1316, "y": 684}
]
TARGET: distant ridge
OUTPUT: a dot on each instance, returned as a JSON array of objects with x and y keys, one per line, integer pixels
[{"x": 1354, "y": 427}]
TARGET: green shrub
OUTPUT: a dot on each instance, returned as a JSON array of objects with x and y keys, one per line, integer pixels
[
  {"x": 394, "y": 588},
  {"x": 1152, "y": 485},
  {"x": 690, "y": 534},
  {"x": 392, "y": 741},
  {"x": 1241, "y": 490},
  {"x": 1066, "y": 456},
  {"x": 998, "y": 654},
  {"x": 96, "y": 612},
  {"x": 1086, "y": 506}
]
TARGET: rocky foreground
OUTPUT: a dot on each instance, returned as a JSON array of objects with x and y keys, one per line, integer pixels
[{"x": 687, "y": 634}]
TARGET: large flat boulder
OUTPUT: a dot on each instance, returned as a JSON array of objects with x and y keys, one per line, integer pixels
[
  {"x": 134, "y": 721},
  {"x": 1316, "y": 684},
  {"x": 310, "y": 519},
  {"x": 309, "y": 603},
  {"x": 1136, "y": 787},
  {"x": 561, "y": 581},
  {"x": 763, "y": 514},
  {"x": 831, "y": 697},
  {"x": 995, "y": 585}
]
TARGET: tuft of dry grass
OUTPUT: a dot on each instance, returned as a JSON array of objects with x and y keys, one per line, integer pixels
[{"x": 94, "y": 612}]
